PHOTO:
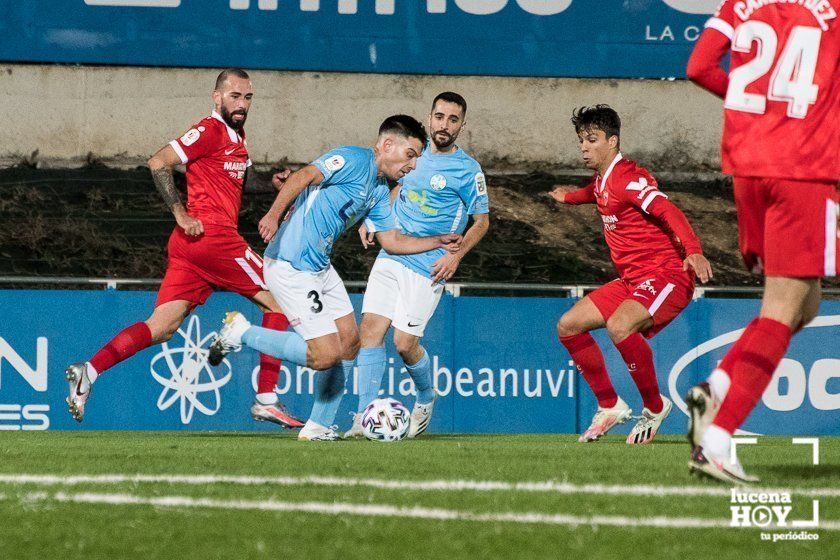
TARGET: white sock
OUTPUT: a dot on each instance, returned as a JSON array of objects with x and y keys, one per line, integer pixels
[
  {"x": 91, "y": 373},
  {"x": 716, "y": 442},
  {"x": 267, "y": 398},
  {"x": 719, "y": 383}
]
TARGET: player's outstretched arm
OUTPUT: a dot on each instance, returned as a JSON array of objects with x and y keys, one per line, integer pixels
[
  {"x": 161, "y": 165},
  {"x": 568, "y": 194},
  {"x": 289, "y": 191},
  {"x": 446, "y": 266},
  {"x": 398, "y": 243}
]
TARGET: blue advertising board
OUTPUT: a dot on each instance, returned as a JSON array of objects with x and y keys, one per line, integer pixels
[
  {"x": 572, "y": 38},
  {"x": 498, "y": 367}
]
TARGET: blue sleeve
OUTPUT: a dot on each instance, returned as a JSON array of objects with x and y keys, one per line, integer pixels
[
  {"x": 341, "y": 165},
  {"x": 381, "y": 217},
  {"x": 473, "y": 192}
]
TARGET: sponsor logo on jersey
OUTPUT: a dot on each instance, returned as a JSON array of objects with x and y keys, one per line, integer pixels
[
  {"x": 334, "y": 163},
  {"x": 480, "y": 184},
  {"x": 235, "y": 166},
  {"x": 610, "y": 222},
  {"x": 421, "y": 200},
  {"x": 190, "y": 137},
  {"x": 437, "y": 182},
  {"x": 641, "y": 186}
]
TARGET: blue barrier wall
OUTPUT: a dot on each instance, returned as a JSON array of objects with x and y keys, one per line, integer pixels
[
  {"x": 499, "y": 367},
  {"x": 577, "y": 38}
]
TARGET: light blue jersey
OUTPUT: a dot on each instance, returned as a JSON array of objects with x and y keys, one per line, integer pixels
[
  {"x": 436, "y": 198},
  {"x": 350, "y": 191}
]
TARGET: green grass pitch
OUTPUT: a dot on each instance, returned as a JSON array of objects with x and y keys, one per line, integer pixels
[{"x": 358, "y": 499}]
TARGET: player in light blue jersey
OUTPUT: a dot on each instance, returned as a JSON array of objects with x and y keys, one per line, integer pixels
[
  {"x": 403, "y": 290},
  {"x": 320, "y": 202}
]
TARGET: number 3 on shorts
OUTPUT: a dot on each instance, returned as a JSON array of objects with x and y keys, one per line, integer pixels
[{"x": 317, "y": 304}]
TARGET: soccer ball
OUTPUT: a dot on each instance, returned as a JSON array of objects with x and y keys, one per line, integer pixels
[{"x": 385, "y": 420}]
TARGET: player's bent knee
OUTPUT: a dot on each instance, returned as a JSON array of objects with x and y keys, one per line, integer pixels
[
  {"x": 567, "y": 327},
  {"x": 406, "y": 345},
  {"x": 618, "y": 329},
  {"x": 321, "y": 359}
]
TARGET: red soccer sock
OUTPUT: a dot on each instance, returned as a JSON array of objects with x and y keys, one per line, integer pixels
[
  {"x": 590, "y": 363},
  {"x": 766, "y": 344},
  {"x": 732, "y": 357},
  {"x": 638, "y": 356},
  {"x": 128, "y": 342},
  {"x": 269, "y": 365}
]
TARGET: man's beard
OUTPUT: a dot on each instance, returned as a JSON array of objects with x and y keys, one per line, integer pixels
[
  {"x": 227, "y": 116},
  {"x": 442, "y": 145}
]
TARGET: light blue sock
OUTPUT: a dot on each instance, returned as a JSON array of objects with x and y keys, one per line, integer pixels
[
  {"x": 421, "y": 374},
  {"x": 328, "y": 393},
  {"x": 288, "y": 346},
  {"x": 372, "y": 362}
]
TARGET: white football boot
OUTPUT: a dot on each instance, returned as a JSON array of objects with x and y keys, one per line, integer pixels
[
  {"x": 312, "y": 431},
  {"x": 718, "y": 468},
  {"x": 229, "y": 338},
  {"x": 702, "y": 409},
  {"x": 355, "y": 431},
  {"x": 647, "y": 426},
  {"x": 79, "y": 390},
  {"x": 421, "y": 414},
  {"x": 606, "y": 419}
]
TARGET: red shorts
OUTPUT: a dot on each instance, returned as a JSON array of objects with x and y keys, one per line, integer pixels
[
  {"x": 219, "y": 258},
  {"x": 663, "y": 297},
  {"x": 788, "y": 227}
]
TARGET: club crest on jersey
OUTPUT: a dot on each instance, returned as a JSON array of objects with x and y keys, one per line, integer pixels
[
  {"x": 480, "y": 184},
  {"x": 334, "y": 164},
  {"x": 189, "y": 138},
  {"x": 437, "y": 182}
]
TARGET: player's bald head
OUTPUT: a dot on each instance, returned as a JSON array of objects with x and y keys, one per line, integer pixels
[{"x": 228, "y": 73}]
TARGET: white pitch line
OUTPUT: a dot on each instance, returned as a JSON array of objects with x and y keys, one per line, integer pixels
[
  {"x": 419, "y": 485},
  {"x": 382, "y": 510}
]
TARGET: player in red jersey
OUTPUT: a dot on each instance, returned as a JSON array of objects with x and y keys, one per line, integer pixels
[
  {"x": 656, "y": 254},
  {"x": 781, "y": 144},
  {"x": 205, "y": 250}
]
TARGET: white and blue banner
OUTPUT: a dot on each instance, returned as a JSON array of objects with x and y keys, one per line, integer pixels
[
  {"x": 497, "y": 362},
  {"x": 571, "y": 38}
]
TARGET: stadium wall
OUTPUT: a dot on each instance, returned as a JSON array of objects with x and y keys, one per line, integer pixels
[
  {"x": 520, "y": 380},
  {"x": 121, "y": 115}
]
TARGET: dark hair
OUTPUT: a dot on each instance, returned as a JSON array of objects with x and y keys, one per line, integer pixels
[
  {"x": 600, "y": 117},
  {"x": 226, "y": 73},
  {"x": 451, "y": 97},
  {"x": 405, "y": 126}
]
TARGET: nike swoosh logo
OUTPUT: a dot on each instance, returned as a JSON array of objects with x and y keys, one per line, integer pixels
[
  {"x": 640, "y": 295},
  {"x": 228, "y": 152},
  {"x": 417, "y": 325}
]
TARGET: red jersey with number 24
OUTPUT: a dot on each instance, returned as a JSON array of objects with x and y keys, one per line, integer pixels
[
  {"x": 782, "y": 105},
  {"x": 217, "y": 159}
]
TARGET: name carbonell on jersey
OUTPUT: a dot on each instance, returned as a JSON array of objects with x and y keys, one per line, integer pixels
[{"x": 821, "y": 9}]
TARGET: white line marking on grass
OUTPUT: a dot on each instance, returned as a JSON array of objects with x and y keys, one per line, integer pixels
[
  {"x": 420, "y": 485},
  {"x": 381, "y": 510}
]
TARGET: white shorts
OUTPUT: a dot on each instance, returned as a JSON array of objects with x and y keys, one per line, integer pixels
[
  {"x": 406, "y": 298},
  {"x": 311, "y": 300}
]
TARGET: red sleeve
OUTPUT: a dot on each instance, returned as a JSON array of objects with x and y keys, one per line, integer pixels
[
  {"x": 672, "y": 217},
  {"x": 704, "y": 66},
  {"x": 197, "y": 142},
  {"x": 586, "y": 195}
]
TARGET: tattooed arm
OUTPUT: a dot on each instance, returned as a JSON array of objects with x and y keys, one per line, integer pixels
[{"x": 161, "y": 165}]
